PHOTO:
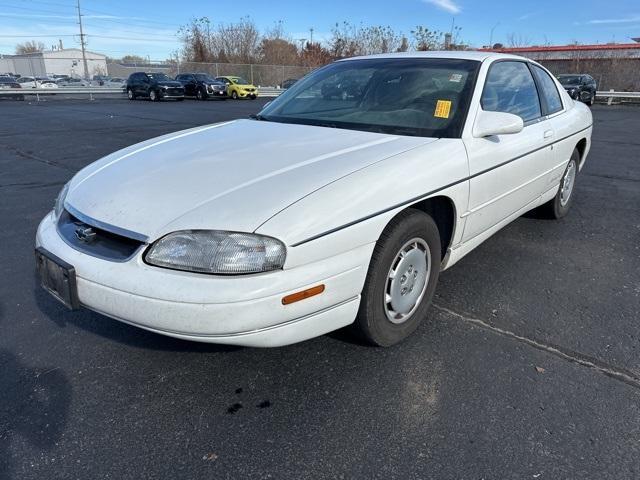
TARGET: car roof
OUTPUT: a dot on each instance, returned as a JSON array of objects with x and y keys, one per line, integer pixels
[{"x": 450, "y": 54}]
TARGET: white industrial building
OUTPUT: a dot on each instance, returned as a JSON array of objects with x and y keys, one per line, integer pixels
[{"x": 67, "y": 61}]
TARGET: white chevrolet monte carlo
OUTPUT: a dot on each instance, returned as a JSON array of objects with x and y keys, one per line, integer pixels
[{"x": 339, "y": 204}]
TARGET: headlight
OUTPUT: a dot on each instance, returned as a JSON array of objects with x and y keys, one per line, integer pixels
[
  {"x": 217, "y": 252},
  {"x": 58, "y": 206}
]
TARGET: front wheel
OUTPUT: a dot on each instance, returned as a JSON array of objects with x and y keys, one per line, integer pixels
[
  {"x": 130, "y": 94},
  {"x": 234, "y": 95},
  {"x": 200, "y": 95},
  {"x": 401, "y": 280},
  {"x": 559, "y": 206},
  {"x": 153, "y": 96},
  {"x": 592, "y": 99}
]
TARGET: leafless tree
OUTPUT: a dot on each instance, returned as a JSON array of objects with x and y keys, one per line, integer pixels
[
  {"x": 31, "y": 46},
  {"x": 348, "y": 40},
  {"x": 425, "y": 39},
  {"x": 517, "y": 40}
]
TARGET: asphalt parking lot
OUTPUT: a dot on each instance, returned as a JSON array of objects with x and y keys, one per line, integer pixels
[{"x": 527, "y": 367}]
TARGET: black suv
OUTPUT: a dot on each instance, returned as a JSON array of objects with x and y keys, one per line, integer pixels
[
  {"x": 156, "y": 86},
  {"x": 581, "y": 87},
  {"x": 202, "y": 86}
]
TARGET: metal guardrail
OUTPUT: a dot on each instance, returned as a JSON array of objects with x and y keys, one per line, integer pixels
[
  {"x": 91, "y": 91},
  {"x": 611, "y": 94},
  {"x": 262, "y": 92}
]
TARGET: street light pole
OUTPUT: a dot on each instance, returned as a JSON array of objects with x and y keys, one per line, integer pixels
[
  {"x": 82, "y": 44},
  {"x": 491, "y": 36}
]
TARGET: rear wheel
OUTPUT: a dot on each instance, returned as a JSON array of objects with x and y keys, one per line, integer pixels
[
  {"x": 401, "y": 280},
  {"x": 559, "y": 206},
  {"x": 130, "y": 94}
]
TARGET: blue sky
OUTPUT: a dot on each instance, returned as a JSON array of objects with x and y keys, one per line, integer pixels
[{"x": 148, "y": 27}]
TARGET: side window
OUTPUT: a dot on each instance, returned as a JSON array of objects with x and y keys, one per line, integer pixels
[
  {"x": 510, "y": 88},
  {"x": 548, "y": 90}
]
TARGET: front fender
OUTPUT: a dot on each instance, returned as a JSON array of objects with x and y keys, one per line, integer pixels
[{"x": 354, "y": 210}]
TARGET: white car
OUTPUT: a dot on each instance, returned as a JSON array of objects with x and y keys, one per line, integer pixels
[
  {"x": 31, "y": 82},
  {"x": 319, "y": 212}
]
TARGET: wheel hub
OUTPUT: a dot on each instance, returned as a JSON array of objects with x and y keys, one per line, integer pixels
[
  {"x": 567, "y": 183},
  {"x": 407, "y": 280}
]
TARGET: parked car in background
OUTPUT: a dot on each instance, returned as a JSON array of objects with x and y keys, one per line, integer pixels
[
  {"x": 202, "y": 86},
  {"x": 288, "y": 82},
  {"x": 37, "y": 82},
  {"x": 72, "y": 82},
  {"x": 318, "y": 213},
  {"x": 238, "y": 87},
  {"x": 7, "y": 82},
  {"x": 581, "y": 87},
  {"x": 116, "y": 82},
  {"x": 155, "y": 86},
  {"x": 100, "y": 79}
]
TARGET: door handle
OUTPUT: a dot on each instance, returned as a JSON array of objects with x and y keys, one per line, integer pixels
[{"x": 548, "y": 133}]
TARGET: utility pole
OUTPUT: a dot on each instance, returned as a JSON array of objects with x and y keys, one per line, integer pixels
[
  {"x": 82, "y": 44},
  {"x": 311, "y": 31}
]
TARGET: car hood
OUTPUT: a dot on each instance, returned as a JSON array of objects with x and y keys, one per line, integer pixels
[
  {"x": 170, "y": 83},
  {"x": 229, "y": 176}
]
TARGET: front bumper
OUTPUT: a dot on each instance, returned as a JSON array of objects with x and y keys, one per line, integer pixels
[{"x": 241, "y": 310}]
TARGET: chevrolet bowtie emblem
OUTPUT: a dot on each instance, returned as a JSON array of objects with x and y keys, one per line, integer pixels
[{"x": 85, "y": 234}]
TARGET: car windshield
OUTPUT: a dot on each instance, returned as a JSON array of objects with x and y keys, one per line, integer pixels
[
  {"x": 405, "y": 96},
  {"x": 239, "y": 80},
  {"x": 159, "y": 77},
  {"x": 203, "y": 77},
  {"x": 569, "y": 80}
]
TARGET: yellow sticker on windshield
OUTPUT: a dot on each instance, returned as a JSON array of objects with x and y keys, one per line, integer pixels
[{"x": 443, "y": 108}]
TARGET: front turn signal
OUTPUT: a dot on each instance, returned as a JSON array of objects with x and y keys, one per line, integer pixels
[{"x": 303, "y": 295}]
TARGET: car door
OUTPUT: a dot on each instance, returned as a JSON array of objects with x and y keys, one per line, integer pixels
[
  {"x": 137, "y": 83},
  {"x": 185, "y": 81},
  {"x": 507, "y": 172}
]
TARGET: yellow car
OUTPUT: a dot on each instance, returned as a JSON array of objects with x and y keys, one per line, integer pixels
[{"x": 238, "y": 87}]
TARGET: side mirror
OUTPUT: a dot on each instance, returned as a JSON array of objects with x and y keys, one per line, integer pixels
[{"x": 488, "y": 124}]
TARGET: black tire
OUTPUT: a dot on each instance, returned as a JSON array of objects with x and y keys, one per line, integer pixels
[
  {"x": 373, "y": 323},
  {"x": 201, "y": 95},
  {"x": 559, "y": 205},
  {"x": 253, "y": 97},
  {"x": 131, "y": 94},
  {"x": 592, "y": 99},
  {"x": 179, "y": 99},
  {"x": 234, "y": 95},
  {"x": 154, "y": 96}
]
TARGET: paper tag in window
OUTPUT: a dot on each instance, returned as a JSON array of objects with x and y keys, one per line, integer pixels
[
  {"x": 455, "y": 77},
  {"x": 443, "y": 108}
]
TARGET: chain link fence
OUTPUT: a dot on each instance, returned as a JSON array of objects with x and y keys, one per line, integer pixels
[{"x": 257, "y": 74}]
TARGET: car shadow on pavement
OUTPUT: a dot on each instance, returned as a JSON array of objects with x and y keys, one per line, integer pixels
[
  {"x": 114, "y": 330},
  {"x": 34, "y": 403}
]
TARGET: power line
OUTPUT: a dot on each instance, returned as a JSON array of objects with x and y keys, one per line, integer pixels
[
  {"x": 37, "y": 36},
  {"x": 130, "y": 38}
]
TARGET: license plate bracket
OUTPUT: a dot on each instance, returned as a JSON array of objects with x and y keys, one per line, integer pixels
[{"x": 57, "y": 277}]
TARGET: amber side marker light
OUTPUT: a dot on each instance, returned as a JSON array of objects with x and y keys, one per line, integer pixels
[{"x": 304, "y": 294}]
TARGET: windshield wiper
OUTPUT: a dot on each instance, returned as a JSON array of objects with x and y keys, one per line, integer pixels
[{"x": 257, "y": 116}]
